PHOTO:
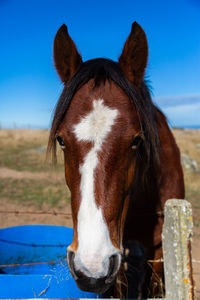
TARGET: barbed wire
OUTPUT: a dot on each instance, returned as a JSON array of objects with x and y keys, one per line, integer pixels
[
  {"x": 18, "y": 212},
  {"x": 56, "y": 213},
  {"x": 162, "y": 260},
  {"x": 63, "y": 261},
  {"x": 33, "y": 263}
]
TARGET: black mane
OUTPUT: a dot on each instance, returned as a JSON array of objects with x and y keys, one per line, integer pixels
[{"x": 101, "y": 70}]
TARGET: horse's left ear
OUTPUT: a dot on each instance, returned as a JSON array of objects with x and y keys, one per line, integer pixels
[
  {"x": 133, "y": 59},
  {"x": 66, "y": 57}
]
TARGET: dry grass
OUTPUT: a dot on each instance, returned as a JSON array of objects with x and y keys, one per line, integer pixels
[
  {"x": 188, "y": 141},
  {"x": 18, "y": 137},
  {"x": 25, "y": 149},
  {"x": 35, "y": 192}
]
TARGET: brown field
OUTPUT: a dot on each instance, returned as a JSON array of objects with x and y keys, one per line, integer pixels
[{"x": 27, "y": 182}]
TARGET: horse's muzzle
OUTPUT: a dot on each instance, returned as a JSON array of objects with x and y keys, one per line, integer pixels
[{"x": 93, "y": 284}]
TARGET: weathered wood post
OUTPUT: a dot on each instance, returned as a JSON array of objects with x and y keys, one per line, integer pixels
[{"x": 176, "y": 236}]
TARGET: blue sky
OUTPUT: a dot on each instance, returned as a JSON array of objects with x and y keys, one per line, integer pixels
[{"x": 29, "y": 86}]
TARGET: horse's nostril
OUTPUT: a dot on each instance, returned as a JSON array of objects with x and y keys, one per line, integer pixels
[
  {"x": 70, "y": 258},
  {"x": 79, "y": 274},
  {"x": 113, "y": 268}
]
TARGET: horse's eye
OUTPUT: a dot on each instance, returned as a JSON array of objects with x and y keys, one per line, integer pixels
[
  {"x": 137, "y": 141},
  {"x": 60, "y": 141}
]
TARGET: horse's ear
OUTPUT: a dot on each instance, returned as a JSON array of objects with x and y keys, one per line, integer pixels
[
  {"x": 66, "y": 57},
  {"x": 133, "y": 59}
]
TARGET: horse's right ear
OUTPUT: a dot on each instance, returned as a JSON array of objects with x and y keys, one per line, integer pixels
[{"x": 66, "y": 57}]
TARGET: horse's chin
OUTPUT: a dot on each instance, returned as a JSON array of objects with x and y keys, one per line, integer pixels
[{"x": 94, "y": 285}]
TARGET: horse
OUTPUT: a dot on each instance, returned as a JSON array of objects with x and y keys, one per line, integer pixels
[{"x": 121, "y": 165}]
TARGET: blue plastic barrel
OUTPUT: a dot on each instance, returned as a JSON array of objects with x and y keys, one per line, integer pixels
[{"x": 32, "y": 244}]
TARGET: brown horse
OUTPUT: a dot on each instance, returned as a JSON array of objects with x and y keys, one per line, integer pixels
[{"x": 121, "y": 165}]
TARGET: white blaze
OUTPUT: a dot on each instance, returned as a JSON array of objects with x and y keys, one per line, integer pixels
[{"x": 94, "y": 244}]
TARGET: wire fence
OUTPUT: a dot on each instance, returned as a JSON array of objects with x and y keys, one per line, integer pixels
[
  {"x": 56, "y": 213},
  {"x": 62, "y": 261},
  {"x": 53, "y": 212},
  {"x": 68, "y": 215}
]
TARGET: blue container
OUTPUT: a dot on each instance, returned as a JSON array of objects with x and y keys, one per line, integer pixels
[{"x": 32, "y": 244}]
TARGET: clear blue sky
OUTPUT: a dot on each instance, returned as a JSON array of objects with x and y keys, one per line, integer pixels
[{"x": 29, "y": 86}]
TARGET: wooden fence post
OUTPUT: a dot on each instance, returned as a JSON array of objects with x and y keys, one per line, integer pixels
[{"x": 176, "y": 236}]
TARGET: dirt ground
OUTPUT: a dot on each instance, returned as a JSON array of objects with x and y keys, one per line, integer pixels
[
  {"x": 187, "y": 141},
  {"x": 14, "y": 219}
]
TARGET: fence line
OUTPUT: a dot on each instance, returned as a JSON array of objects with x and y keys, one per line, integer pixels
[
  {"x": 34, "y": 263},
  {"x": 56, "y": 213},
  {"x": 177, "y": 233},
  {"x": 17, "y": 212},
  {"x": 62, "y": 261}
]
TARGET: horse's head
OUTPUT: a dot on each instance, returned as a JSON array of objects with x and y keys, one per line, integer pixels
[{"x": 98, "y": 125}]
